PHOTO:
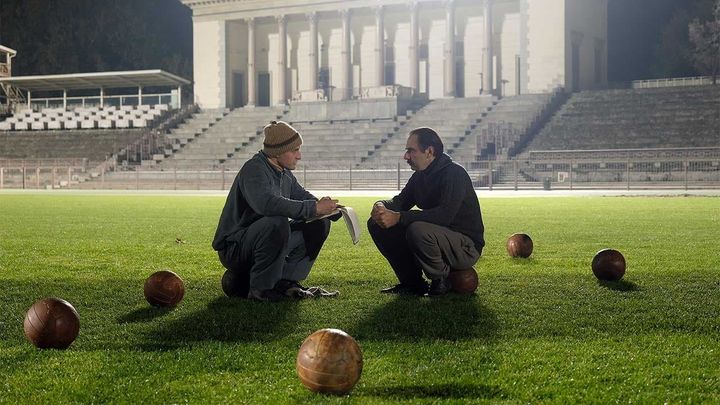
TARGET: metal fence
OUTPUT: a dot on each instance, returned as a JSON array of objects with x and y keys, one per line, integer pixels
[
  {"x": 548, "y": 174},
  {"x": 672, "y": 82},
  {"x": 599, "y": 174}
]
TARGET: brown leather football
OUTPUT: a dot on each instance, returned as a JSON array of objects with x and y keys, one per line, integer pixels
[
  {"x": 329, "y": 361},
  {"x": 52, "y": 323},
  {"x": 608, "y": 265},
  {"x": 164, "y": 288},
  {"x": 519, "y": 245}
]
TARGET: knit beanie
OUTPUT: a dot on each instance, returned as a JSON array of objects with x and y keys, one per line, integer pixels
[{"x": 280, "y": 137}]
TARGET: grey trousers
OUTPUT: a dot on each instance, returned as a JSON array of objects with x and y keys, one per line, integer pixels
[
  {"x": 423, "y": 247},
  {"x": 270, "y": 250}
]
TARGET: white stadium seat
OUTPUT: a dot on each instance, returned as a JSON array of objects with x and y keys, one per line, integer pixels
[
  {"x": 139, "y": 123},
  {"x": 88, "y": 124},
  {"x": 38, "y": 125},
  {"x": 105, "y": 124},
  {"x": 71, "y": 123}
]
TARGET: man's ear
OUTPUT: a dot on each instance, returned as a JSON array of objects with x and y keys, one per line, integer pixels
[{"x": 431, "y": 149}]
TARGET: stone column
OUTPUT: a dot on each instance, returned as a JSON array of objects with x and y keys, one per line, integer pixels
[
  {"x": 251, "y": 63},
  {"x": 414, "y": 44},
  {"x": 488, "y": 50},
  {"x": 346, "y": 50},
  {"x": 313, "y": 54},
  {"x": 379, "y": 46},
  {"x": 449, "y": 48},
  {"x": 282, "y": 60}
]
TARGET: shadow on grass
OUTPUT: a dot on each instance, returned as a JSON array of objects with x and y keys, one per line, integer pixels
[
  {"x": 451, "y": 317},
  {"x": 228, "y": 320},
  {"x": 146, "y": 314},
  {"x": 444, "y": 391},
  {"x": 522, "y": 261},
  {"x": 621, "y": 285}
]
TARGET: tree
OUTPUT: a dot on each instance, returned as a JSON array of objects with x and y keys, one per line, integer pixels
[
  {"x": 79, "y": 36},
  {"x": 672, "y": 56},
  {"x": 705, "y": 40}
]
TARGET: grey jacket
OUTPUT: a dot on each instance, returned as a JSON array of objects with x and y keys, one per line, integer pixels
[{"x": 260, "y": 190}]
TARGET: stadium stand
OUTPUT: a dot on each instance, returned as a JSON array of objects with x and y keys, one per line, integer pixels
[
  {"x": 345, "y": 143},
  {"x": 675, "y": 117},
  {"x": 123, "y": 117},
  {"x": 214, "y": 138},
  {"x": 507, "y": 126},
  {"x": 665, "y": 135},
  {"x": 453, "y": 119},
  {"x": 93, "y": 145}
]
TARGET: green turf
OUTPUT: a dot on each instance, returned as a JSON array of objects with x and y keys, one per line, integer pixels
[{"x": 538, "y": 330}]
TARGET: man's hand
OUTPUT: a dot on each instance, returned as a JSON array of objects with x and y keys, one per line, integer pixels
[
  {"x": 384, "y": 217},
  {"x": 374, "y": 214},
  {"x": 325, "y": 206}
]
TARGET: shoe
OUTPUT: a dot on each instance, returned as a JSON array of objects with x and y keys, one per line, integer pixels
[
  {"x": 292, "y": 289},
  {"x": 439, "y": 286},
  {"x": 270, "y": 295},
  {"x": 405, "y": 289},
  {"x": 285, "y": 284}
]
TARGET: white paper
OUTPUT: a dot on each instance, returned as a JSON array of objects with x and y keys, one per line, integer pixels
[{"x": 351, "y": 220}]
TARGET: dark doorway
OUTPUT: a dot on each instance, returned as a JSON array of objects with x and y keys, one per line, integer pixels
[
  {"x": 460, "y": 69},
  {"x": 238, "y": 85},
  {"x": 264, "y": 90}
]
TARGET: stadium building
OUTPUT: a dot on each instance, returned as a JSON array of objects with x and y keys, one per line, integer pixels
[
  {"x": 263, "y": 53},
  {"x": 517, "y": 89}
]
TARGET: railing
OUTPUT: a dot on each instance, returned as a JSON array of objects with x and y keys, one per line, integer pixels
[
  {"x": 624, "y": 154},
  {"x": 508, "y": 138},
  {"x": 37, "y": 103},
  {"x": 632, "y": 173},
  {"x": 41, "y": 173},
  {"x": 366, "y": 93},
  {"x": 153, "y": 141},
  {"x": 549, "y": 174},
  {"x": 672, "y": 82}
]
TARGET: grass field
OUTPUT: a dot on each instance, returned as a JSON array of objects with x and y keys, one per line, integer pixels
[{"x": 538, "y": 330}]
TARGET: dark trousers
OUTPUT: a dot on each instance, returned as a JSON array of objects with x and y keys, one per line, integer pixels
[
  {"x": 272, "y": 249},
  {"x": 421, "y": 248}
]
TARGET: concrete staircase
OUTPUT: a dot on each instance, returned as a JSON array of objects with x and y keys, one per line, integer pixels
[
  {"x": 216, "y": 138},
  {"x": 506, "y": 126},
  {"x": 344, "y": 143},
  {"x": 453, "y": 119},
  {"x": 192, "y": 127},
  {"x": 675, "y": 117},
  {"x": 92, "y": 145}
]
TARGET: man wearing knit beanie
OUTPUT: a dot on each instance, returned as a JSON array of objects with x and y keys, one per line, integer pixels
[{"x": 263, "y": 238}]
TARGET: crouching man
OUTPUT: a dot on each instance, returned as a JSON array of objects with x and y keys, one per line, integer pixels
[
  {"x": 445, "y": 234},
  {"x": 262, "y": 235}
]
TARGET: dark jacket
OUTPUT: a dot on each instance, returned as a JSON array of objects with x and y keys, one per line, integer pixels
[
  {"x": 446, "y": 197},
  {"x": 260, "y": 190}
]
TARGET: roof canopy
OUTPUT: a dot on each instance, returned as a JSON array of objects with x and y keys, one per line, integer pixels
[
  {"x": 5, "y": 49},
  {"x": 106, "y": 80}
]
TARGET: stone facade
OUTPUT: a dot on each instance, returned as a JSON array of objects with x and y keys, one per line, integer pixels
[{"x": 317, "y": 50}]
